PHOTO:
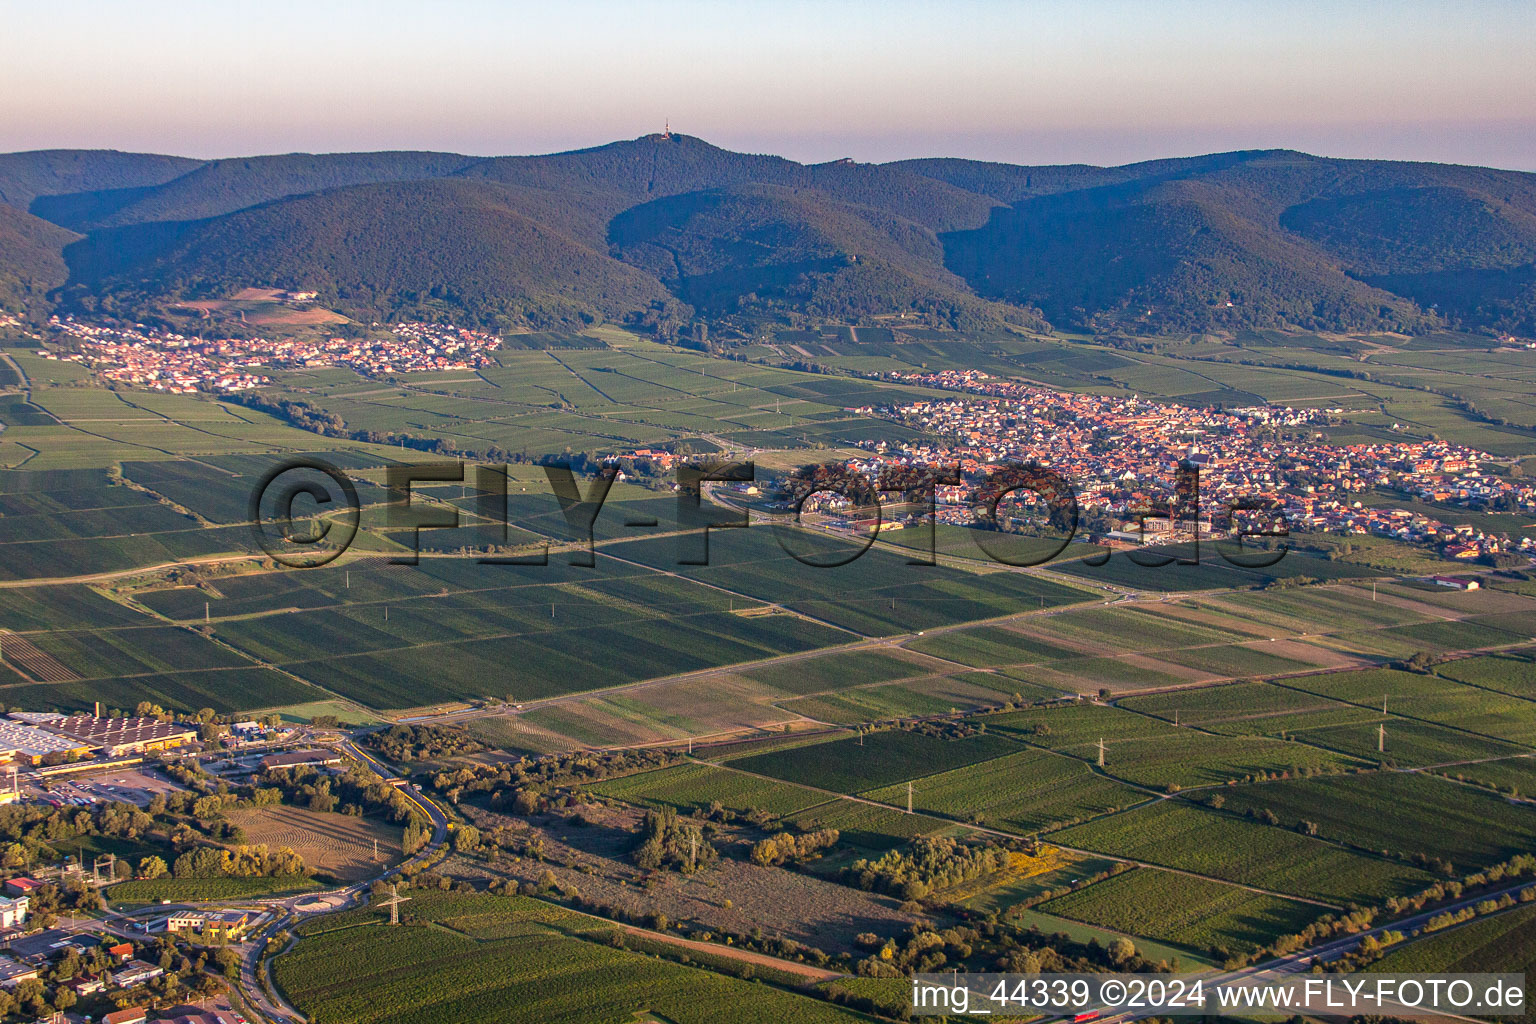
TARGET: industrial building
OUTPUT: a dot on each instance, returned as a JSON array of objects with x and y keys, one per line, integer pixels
[
  {"x": 116, "y": 737},
  {"x": 29, "y": 744}
]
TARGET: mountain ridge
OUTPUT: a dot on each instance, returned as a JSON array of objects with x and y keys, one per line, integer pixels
[{"x": 1259, "y": 238}]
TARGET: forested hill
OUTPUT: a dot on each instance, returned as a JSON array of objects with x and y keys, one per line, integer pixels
[{"x": 668, "y": 226}]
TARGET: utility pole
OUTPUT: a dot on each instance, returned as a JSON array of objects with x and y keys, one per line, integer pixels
[
  {"x": 205, "y": 611},
  {"x": 1101, "y": 752},
  {"x": 909, "y": 798},
  {"x": 1381, "y": 738}
]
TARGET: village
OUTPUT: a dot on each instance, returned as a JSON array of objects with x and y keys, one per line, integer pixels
[
  {"x": 183, "y": 364},
  {"x": 1122, "y": 453}
]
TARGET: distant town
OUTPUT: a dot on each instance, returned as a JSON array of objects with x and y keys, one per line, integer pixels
[
  {"x": 183, "y": 364},
  {"x": 1121, "y": 455}
]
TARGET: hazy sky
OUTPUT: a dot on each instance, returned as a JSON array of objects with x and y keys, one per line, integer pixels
[{"x": 1028, "y": 81}]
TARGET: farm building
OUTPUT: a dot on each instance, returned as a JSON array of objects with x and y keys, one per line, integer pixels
[{"x": 1456, "y": 582}]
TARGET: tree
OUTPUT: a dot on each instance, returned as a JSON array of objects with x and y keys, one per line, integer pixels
[
  {"x": 466, "y": 839},
  {"x": 153, "y": 867},
  {"x": 228, "y": 961},
  {"x": 1121, "y": 950}
]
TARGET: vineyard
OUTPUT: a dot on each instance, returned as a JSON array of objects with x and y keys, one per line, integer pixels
[
  {"x": 688, "y": 786},
  {"x": 1023, "y": 792},
  {"x": 1192, "y": 912},
  {"x": 200, "y": 890},
  {"x": 1190, "y": 758},
  {"x": 892, "y": 755},
  {"x": 511, "y": 961},
  {"x": 1177, "y": 835},
  {"x": 1428, "y": 815},
  {"x": 867, "y": 826},
  {"x": 1508, "y": 673},
  {"x": 1432, "y": 699}
]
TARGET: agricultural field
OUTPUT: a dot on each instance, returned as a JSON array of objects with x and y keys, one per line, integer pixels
[
  {"x": 920, "y": 697},
  {"x": 867, "y": 826},
  {"x": 1425, "y": 815},
  {"x": 1211, "y": 573},
  {"x": 990, "y": 646},
  {"x": 1078, "y": 726},
  {"x": 535, "y": 964},
  {"x": 834, "y": 672},
  {"x": 1498, "y": 943},
  {"x": 878, "y": 594},
  {"x": 689, "y": 786},
  {"x": 359, "y": 635},
  {"x": 1194, "y": 913},
  {"x": 205, "y": 890},
  {"x": 1052, "y": 870},
  {"x": 883, "y": 757},
  {"x": 1026, "y": 792},
  {"x": 1247, "y": 709},
  {"x": 1407, "y": 743},
  {"x": 1508, "y": 673},
  {"x": 1175, "y": 835},
  {"x": 1191, "y": 758},
  {"x": 1431, "y": 699},
  {"x": 334, "y": 846}
]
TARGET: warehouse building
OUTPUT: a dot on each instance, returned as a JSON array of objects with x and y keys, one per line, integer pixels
[
  {"x": 29, "y": 744},
  {"x": 116, "y": 737}
]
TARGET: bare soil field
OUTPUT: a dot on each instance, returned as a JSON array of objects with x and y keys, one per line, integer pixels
[{"x": 332, "y": 844}]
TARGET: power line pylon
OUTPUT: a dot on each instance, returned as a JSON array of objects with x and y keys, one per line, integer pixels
[{"x": 393, "y": 903}]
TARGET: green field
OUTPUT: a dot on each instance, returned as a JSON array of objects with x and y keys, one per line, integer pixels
[
  {"x": 1234, "y": 849},
  {"x": 1248, "y": 709},
  {"x": 1190, "y": 912},
  {"x": 920, "y": 697},
  {"x": 884, "y": 757},
  {"x": 690, "y": 786},
  {"x": 867, "y": 826},
  {"x": 1399, "y": 813},
  {"x": 838, "y": 671},
  {"x": 495, "y": 959},
  {"x": 1507, "y": 673},
  {"x": 1431, "y": 699},
  {"x": 199, "y": 890},
  {"x": 1502, "y": 942},
  {"x": 1192, "y": 758},
  {"x": 1023, "y": 792}
]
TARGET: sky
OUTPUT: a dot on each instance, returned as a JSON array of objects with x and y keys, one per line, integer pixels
[{"x": 1024, "y": 81}]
